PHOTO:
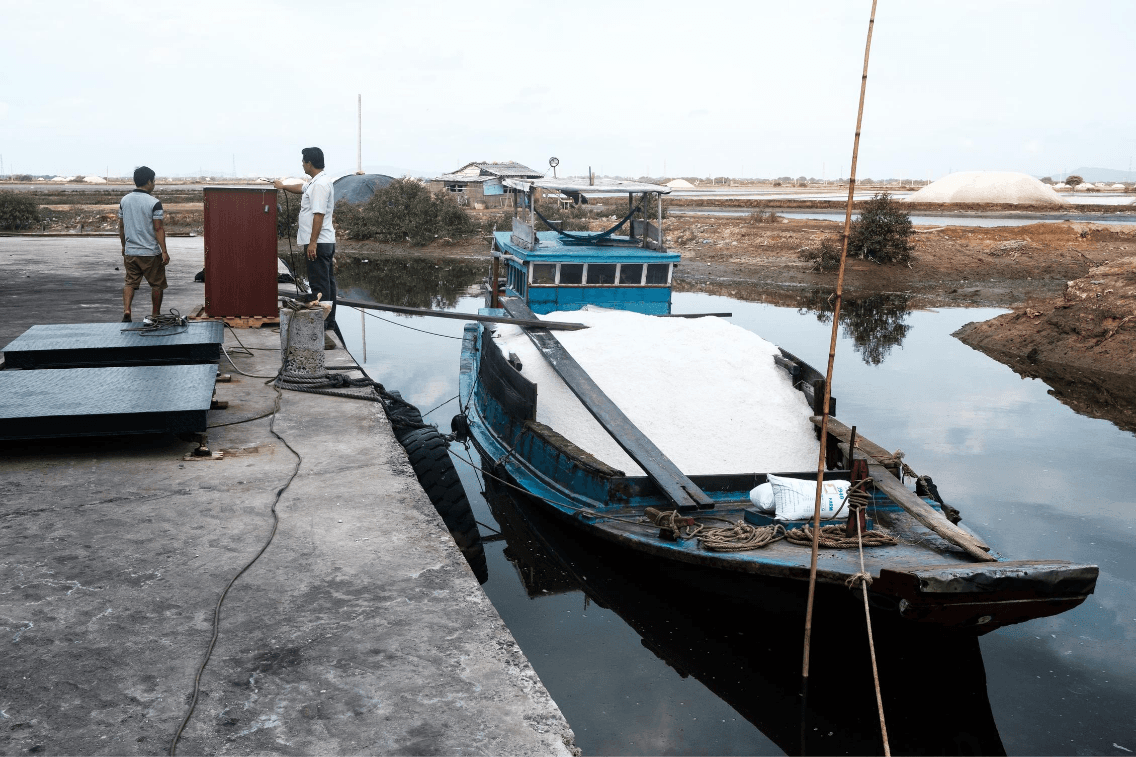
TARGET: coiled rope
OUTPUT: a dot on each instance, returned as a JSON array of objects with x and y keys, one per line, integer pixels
[{"x": 161, "y": 322}]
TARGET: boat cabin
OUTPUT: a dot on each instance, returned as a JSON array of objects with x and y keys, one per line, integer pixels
[{"x": 625, "y": 267}]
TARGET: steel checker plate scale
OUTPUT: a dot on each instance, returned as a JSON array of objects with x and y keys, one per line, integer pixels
[
  {"x": 105, "y": 401},
  {"x": 82, "y": 345}
]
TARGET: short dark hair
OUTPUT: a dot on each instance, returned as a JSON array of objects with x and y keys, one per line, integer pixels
[
  {"x": 313, "y": 155},
  {"x": 143, "y": 175}
]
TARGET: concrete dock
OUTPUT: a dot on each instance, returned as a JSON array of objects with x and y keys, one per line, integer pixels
[{"x": 360, "y": 629}]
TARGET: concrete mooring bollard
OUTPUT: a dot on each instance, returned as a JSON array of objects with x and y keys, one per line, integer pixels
[{"x": 301, "y": 342}]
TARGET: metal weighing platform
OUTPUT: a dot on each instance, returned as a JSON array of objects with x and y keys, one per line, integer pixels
[
  {"x": 105, "y": 401},
  {"x": 83, "y": 345}
]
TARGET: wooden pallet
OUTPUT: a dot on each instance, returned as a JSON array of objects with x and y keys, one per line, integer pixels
[{"x": 236, "y": 321}]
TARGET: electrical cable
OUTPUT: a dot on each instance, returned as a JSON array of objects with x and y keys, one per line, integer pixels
[
  {"x": 451, "y": 399},
  {"x": 288, "y": 236},
  {"x": 238, "y": 370},
  {"x": 249, "y": 564},
  {"x": 396, "y": 323},
  {"x": 160, "y": 322}
]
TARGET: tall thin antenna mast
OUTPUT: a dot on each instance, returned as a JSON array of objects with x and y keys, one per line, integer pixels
[{"x": 359, "y": 152}]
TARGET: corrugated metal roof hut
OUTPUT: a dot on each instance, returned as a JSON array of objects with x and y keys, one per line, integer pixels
[{"x": 480, "y": 183}]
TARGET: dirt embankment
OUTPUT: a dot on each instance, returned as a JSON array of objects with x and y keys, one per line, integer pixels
[
  {"x": 988, "y": 266},
  {"x": 928, "y": 208},
  {"x": 1083, "y": 344}
]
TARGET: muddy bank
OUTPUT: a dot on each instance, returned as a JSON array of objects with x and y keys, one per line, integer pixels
[
  {"x": 922, "y": 208},
  {"x": 956, "y": 265},
  {"x": 1082, "y": 344}
]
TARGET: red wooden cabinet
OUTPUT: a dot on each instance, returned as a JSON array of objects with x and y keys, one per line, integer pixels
[{"x": 240, "y": 252}]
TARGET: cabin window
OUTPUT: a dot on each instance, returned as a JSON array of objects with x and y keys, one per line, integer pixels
[
  {"x": 631, "y": 273},
  {"x": 601, "y": 273},
  {"x": 658, "y": 273},
  {"x": 543, "y": 273},
  {"x": 571, "y": 273}
]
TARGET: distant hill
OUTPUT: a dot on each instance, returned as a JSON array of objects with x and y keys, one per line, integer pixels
[{"x": 1097, "y": 174}]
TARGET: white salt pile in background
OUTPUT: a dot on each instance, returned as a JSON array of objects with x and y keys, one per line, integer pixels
[
  {"x": 988, "y": 186},
  {"x": 706, "y": 392}
]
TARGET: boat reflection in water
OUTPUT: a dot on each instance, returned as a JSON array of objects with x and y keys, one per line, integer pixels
[{"x": 933, "y": 681}]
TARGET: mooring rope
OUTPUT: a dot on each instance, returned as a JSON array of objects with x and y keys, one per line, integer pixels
[
  {"x": 865, "y": 579},
  {"x": 741, "y": 537}
]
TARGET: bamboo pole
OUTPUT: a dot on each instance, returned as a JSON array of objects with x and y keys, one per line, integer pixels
[{"x": 828, "y": 377}]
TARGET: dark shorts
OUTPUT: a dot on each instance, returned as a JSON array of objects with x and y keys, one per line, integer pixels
[{"x": 149, "y": 267}]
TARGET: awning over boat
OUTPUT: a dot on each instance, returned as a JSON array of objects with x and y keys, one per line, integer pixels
[{"x": 601, "y": 186}]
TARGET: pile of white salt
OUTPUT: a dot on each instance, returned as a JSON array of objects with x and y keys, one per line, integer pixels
[
  {"x": 988, "y": 186},
  {"x": 706, "y": 392}
]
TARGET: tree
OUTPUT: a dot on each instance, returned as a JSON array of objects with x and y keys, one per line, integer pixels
[
  {"x": 883, "y": 232},
  {"x": 1047, "y": 180},
  {"x": 1073, "y": 180}
]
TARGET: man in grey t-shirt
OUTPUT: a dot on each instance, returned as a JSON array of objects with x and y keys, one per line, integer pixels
[{"x": 143, "y": 237}]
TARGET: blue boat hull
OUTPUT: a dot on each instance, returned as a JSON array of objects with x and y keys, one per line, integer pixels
[{"x": 572, "y": 485}]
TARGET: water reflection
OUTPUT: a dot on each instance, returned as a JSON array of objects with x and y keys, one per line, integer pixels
[
  {"x": 875, "y": 323},
  {"x": 749, "y": 655},
  {"x": 418, "y": 281}
]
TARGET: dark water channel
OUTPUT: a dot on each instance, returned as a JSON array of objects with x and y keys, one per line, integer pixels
[{"x": 640, "y": 665}]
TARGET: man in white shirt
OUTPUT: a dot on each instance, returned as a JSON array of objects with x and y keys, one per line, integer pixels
[{"x": 315, "y": 233}]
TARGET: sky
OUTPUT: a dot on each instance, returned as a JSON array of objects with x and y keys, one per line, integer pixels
[{"x": 645, "y": 88}]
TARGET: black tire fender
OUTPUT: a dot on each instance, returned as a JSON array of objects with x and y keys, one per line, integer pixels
[{"x": 429, "y": 455}]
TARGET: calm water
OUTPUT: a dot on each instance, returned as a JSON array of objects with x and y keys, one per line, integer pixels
[{"x": 638, "y": 668}]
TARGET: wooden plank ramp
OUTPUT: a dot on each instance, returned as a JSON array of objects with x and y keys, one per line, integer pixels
[
  {"x": 680, "y": 490},
  {"x": 403, "y": 310}
]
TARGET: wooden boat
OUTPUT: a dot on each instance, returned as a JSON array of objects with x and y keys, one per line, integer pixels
[
  {"x": 938, "y": 573},
  {"x": 731, "y": 646}
]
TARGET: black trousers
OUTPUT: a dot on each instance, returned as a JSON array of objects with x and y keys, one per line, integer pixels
[{"x": 321, "y": 277}]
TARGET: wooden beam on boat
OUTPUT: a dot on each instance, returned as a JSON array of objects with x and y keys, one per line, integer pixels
[
  {"x": 680, "y": 490},
  {"x": 925, "y": 514},
  {"x": 887, "y": 483},
  {"x": 552, "y": 325}
]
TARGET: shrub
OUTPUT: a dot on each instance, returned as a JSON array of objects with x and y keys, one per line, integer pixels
[
  {"x": 883, "y": 232},
  {"x": 17, "y": 211},
  {"x": 1074, "y": 180},
  {"x": 404, "y": 211},
  {"x": 825, "y": 257},
  {"x": 763, "y": 216}
]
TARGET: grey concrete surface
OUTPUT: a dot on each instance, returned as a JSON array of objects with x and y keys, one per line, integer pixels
[{"x": 359, "y": 630}]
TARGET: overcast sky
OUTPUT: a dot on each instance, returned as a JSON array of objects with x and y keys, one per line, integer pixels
[{"x": 703, "y": 88}]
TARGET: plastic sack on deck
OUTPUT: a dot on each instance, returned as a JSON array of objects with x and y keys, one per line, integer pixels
[
  {"x": 762, "y": 499},
  {"x": 794, "y": 499}
]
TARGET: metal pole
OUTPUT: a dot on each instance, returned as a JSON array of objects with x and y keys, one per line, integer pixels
[
  {"x": 828, "y": 376},
  {"x": 359, "y": 151},
  {"x": 363, "y": 320},
  {"x": 643, "y": 212},
  {"x": 659, "y": 197}
]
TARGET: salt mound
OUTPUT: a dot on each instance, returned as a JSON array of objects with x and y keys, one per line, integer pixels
[
  {"x": 1117, "y": 186},
  {"x": 988, "y": 186},
  {"x": 59, "y": 178},
  {"x": 680, "y": 184},
  {"x": 1084, "y": 187},
  {"x": 94, "y": 180},
  {"x": 706, "y": 392}
]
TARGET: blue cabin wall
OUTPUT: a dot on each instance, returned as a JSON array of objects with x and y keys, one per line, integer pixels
[{"x": 647, "y": 300}]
